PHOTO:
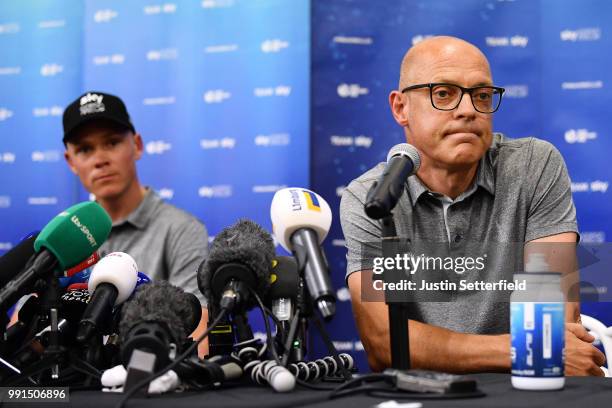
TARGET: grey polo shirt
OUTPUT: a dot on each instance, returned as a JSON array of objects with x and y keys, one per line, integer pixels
[
  {"x": 167, "y": 243},
  {"x": 521, "y": 192}
]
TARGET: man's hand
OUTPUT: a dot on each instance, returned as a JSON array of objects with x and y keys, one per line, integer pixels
[{"x": 581, "y": 357}]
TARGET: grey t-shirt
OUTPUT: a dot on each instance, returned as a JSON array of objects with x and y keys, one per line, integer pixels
[
  {"x": 521, "y": 192},
  {"x": 167, "y": 243}
]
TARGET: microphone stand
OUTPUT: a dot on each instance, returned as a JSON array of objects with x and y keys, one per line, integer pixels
[
  {"x": 295, "y": 345},
  {"x": 398, "y": 315},
  {"x": 55, "y": 355}
]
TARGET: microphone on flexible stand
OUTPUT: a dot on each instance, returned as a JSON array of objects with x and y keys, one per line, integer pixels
[{"x": 403, "y": 161}]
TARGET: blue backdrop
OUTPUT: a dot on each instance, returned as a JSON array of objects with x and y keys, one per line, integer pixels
[{"x": 238, "y": 98}]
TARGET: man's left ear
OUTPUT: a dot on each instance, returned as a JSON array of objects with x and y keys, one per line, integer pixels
[{"x": 139, "y": 145}]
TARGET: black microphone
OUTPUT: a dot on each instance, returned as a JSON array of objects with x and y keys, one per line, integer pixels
[
  {"x": 156, "y": 320},
  {"x": 239, "y": 259},
  {"x": 72, "y": 304},
  {"x": 16, "y": 333},
  {"x": 213, "y": 371},
  {"x": 284, "y": 287},
  {"x": 12, "y": 262},
  {"x": 196, "y": 312},
  {"x": 403, "y": 161}
]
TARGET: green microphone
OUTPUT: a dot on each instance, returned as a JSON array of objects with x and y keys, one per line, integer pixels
[{"x": 67, "y": 240}]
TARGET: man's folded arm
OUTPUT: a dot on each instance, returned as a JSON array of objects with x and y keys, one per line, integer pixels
[{"x": 431, "y": 347}]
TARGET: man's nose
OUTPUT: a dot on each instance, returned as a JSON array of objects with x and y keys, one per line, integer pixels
[
  {"x": 466, "y": 107},
  {"x": 101, "y": 158}
]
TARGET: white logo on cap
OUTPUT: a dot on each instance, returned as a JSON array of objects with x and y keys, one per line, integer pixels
[{"x": 92, "y": 103}]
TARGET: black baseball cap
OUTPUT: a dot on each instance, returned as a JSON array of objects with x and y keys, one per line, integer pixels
[{"x": 95, "y": 105}]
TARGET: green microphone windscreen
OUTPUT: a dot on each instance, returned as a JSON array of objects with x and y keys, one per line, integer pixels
[{"x": 74, "y": 234}]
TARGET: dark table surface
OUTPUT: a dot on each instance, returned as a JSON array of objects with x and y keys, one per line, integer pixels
[{"x": 583, "y": 392}]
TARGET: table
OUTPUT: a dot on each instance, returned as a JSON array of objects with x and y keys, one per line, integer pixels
[{"x": 587, "y": 392}]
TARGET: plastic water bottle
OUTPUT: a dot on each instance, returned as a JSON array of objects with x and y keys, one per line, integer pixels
[{"x": 537, "y": 321}]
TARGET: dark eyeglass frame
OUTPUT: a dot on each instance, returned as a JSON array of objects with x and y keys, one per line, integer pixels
[{"x": 431, "y": 85}]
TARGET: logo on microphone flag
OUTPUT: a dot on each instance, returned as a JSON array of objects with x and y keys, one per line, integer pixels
[{"x": 311, "y": 201}]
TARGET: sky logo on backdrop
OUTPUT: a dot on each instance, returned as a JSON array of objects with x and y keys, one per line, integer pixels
[
  {"x": 50, "y": 156},
  {"x": 51, "y": 69},
  {"x": 217, "y": 191},
  {"x": 162, "y": 54},
  {"x": 281, "y": 90},
  {"x": 5, "y": 114},
  {"x": 47, "y": 24},
  {"x": 114, "y": 59},
  {"x": 105, "y": 15},
  {"x": 214, "y": 49},
  {"x": 224, "y": 143},
  {"x": 514, "y": 41},
  {"x": 274, "y": 45},
  {"x": 346, "y": 141},
  {"x": 516, "y": 91},
  {"x": 579, "y": 136},
  {"x": 42, "y": 200},
  {"x": 10, "y": 70},
  {"x": 9, "y": 28},
  {"x": 5, "y": 201},
  {"x": 54, "y": 110},
  {"x": 210, "y": 4},
  {"x": 342, "y": 39},
  {"x": 577, "y": 85},
  {"x": 275, "y": 139},
  {"x": 159, "y": 100},
  {"x": 581, "y": 34},
  {"x": 157, "y": 147},
  {"x": 167, "y": 8},
  {"x": 216, "y": 96},
  {"x": 596, "y": 186},
  {"x": 7, "y": 157},
  {"x": 351, "y": 90},
  {"x": 166, "y": 193},
  {"x": 272, "y": 188}
]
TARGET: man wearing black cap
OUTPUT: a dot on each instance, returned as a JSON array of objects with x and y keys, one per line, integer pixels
[{"x": 102, "y": 148}]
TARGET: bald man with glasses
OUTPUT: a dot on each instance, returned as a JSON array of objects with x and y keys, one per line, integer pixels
[{"x": 474, "y": 188}]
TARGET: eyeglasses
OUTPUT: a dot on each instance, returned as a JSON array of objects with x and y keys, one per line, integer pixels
[{"x": 446, "y": 97}]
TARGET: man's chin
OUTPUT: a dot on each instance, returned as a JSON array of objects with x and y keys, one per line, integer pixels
[
  {"x": 465, "y": 155},
  {"x": 106, "y": 193}
]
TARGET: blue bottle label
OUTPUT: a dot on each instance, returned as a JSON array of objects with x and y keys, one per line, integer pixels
[{"x": 538, "y": 339}]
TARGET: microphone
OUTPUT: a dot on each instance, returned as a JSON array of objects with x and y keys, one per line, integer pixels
[
  {"x": 213, "y": 371},
  {"x": 284, "y": 286},
  {"x": 403, "y": 161},
  {"x": 18, "y": 331},
  {"x": 111, "y": 282},
  {"x": 240, "y": 257},
  {"x": 68, "y": 239},
  {"x": 301, "y": 221},
  {"x": 12, "y": 262},
  {"x": 156, "y": 320},
  {"x": 72, "y": 305}
]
